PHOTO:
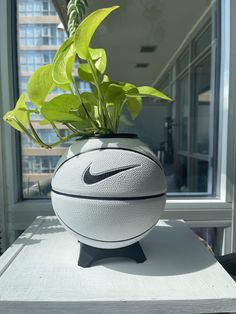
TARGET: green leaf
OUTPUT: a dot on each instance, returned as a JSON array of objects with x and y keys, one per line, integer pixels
[
  {"x": 40, "y": 84},
  {"x": 82, "y": 112},
  {"x": 89, "y": 98},
  {"x": 85, "y": 72},
  {"x": 44, "y": 122},
  {"x": 20, "y": 113},
  {"x": 86, "y": 29},
  {"x": 62, "y": 108},
  {"x": 100, "y": 58},
  {"x": 9, "y": 117},
  {"x": 105, "y": 79},
  {"x": 146, "y": 91},
  {"x": 134, "y": 106},
  {"x": 127, "y": 86},
  {"x": 63, "y": 63},
  {"x": 113, "y": 92},
  {"x": 104, "y": 86},
  {"x": 82, "y": 124}
]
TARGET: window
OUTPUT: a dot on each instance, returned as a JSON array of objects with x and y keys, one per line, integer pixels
[
  {"x": 45, "y": 8},
  {"x": 36, "y": 8},
  {"x": 30, "y": 60},
  {"x": 32, "y": 38},
  {"x": 40, "y": 34},
  {"x": 182, "y": 134}
]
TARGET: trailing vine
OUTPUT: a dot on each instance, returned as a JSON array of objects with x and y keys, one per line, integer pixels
[{"x": 75, "y": 11}]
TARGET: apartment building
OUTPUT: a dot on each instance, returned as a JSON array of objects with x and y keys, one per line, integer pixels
[{"x": 40, "y": 33}]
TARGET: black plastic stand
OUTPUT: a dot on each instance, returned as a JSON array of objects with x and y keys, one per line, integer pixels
[{"x": 89, "y": 255}]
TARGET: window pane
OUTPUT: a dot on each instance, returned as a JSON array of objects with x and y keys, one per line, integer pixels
[
  {"x": 199, "y": 179},
  {"x": 183, "y": 61},
  {"x": 38, "y": 164},
  {"x": 202, "y": 41},
  {"x": 181, "y": 178},
  {"x": 184, "y": 106},
  {"x": 180, "y": 133},
  {"x": 201, "y": 106}
]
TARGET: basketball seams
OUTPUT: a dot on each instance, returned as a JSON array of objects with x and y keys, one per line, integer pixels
[
  {"x": 110, "y": 198},
  {"x": 104, "y": 241},
  {"x": 106, "y": 148}
]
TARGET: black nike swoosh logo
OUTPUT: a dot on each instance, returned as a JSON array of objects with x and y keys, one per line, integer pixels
[{"x": 90, "y": 178}]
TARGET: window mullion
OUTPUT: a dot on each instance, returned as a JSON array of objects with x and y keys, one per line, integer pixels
[{"x": 8, "y": 144}]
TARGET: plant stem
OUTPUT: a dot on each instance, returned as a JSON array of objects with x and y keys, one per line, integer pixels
[
  {"x": 104, "y": 111},
  {"x": 56, "y": 130},
  {"x": 26, "y": 131},
  {"x": 71, "y": 128},
  {"x": 38, "y": 139},
  {"x": 94, "y": 123},
  {"x": 118, "y": 114},
  {"x": 64, "y": 139},
  {"x": 100, "y": 104}
]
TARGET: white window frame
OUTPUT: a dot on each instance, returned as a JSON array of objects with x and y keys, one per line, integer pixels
[{"x": 197, "y": 212}]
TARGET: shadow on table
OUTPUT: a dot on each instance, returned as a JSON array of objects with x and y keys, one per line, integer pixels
[
  {"x": 47, "y": 228},
  {"x": 168, "y": 253}
]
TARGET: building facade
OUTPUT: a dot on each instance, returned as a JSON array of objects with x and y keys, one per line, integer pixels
[{"x": 40, "y": 33}]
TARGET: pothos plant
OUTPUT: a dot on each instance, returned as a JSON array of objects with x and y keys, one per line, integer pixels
[{"x": 87, "y": 113}]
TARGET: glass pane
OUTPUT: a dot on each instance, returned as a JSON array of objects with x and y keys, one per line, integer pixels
[
  {"x": 199, "y": 179},
  {"x": 202, "y": 41},
  {"x": 180, "y": 178},
  {"x": 159, "y": 136},
  {"x": 38, "y": 164},
  {"x": 201, "y": 109},
  {"x": 183, "y": 61},
  {"x": 183, "y": 101}
]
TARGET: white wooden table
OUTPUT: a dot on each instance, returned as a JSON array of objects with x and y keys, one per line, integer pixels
[{"x": 39, "y": 274}]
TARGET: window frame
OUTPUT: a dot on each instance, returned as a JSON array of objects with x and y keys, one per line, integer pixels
[{"x": 197, "y": 212}]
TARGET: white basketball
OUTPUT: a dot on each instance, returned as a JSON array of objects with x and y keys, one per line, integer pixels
[{"x": 109, "y": 192}]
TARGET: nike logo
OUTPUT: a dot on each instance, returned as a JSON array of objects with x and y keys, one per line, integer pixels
[{"x": 90, "y": 178}]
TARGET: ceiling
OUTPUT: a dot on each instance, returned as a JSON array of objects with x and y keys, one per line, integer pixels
[{"x": 137, "y": 23}]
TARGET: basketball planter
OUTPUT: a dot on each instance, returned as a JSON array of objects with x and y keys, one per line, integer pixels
[{"x": 109, "y": 192}]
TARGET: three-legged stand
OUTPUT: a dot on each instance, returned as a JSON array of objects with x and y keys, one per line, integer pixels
[{"x": 89, "y": 255}]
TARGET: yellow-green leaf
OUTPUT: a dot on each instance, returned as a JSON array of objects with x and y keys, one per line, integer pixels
[
  {"x": 9, "y": 117},
  {"x": 86, "y": 29},
  {"x": 89, "y": 98},
  {"x": 105, "y": 79},
  {"x": 82, "y": 124},
  {"x": 40, "y": 84},
  {"x": 134, "y": 106},
  {"x": 146, "y": 91},
  {"x": 85, "y": 72},
  {"x": 100, "y": 59},
  {"x": 18, "y": 113},
  {"x": 63, "y": 108},
  {"x": 44, "y": 122},
  {"x": 63, "y": 63},
  {"x": 113, "y": 91}
]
